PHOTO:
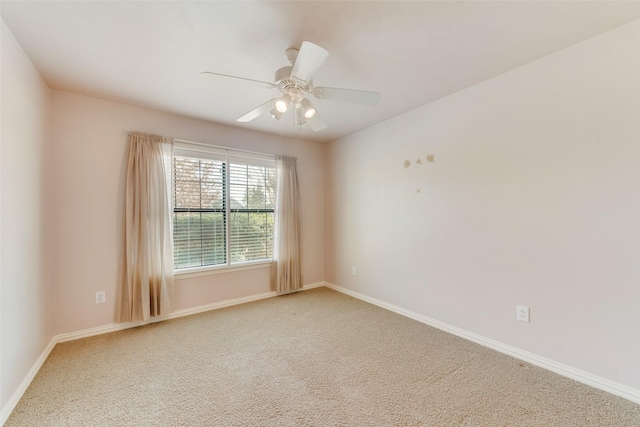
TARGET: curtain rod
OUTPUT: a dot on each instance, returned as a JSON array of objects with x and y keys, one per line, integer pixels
[{"x": 215, "y": 146}]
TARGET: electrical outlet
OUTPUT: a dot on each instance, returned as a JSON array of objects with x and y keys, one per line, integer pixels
[
  {"x": 354, "y": 272},
  {"x": 101, "y": 297},
  {"x": 522, "y": 313}
]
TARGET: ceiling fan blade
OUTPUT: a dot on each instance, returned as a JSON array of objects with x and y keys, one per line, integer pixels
[
  {"x": 209, "y": 73},
  {"x": 309, "y": 59},
  {"x": 316, "y": 123},
  {"x": 347, "y": 95},
  {"x": 258, "y": 111}
]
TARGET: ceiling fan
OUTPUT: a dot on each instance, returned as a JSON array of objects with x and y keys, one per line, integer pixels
[{"x": 295, "y": 82}]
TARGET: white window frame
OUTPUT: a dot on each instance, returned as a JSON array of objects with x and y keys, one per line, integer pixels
[{"x": 228, "y": 155}]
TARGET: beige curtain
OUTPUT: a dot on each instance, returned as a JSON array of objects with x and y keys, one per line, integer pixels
[
  {"x": 147, "y": 288},
  {"x": 287, "y": 268}
]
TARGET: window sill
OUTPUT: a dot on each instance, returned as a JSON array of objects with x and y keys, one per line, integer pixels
[{"x": 187, "y": 273}]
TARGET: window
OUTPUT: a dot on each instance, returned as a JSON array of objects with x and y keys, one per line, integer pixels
[{"x": 223, "y": 207}]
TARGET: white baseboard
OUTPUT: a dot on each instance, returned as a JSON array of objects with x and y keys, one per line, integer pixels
[
  {"x": 17, "y": 395},
  {"x": 551, "y": 365},
  {"x": 114, "y": 327}
]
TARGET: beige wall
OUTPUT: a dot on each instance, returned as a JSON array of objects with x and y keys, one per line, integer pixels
[
  {"x": 533, "y": 199},
  {"x": 90, "y": 143},
  {"x": 25, "y": 175}
]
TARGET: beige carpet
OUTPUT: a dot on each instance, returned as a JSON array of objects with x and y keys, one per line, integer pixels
[{"x": 316, "y": 358}]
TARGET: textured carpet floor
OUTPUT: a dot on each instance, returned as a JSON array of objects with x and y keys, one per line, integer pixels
[{"x": 315, "y": 358}]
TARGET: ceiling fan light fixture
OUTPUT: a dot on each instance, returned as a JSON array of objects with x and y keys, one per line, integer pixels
[
  {"x": 275, "y": 113},
  {"x": 282, "y": 104},
  {"x": 308, "y": 108}
]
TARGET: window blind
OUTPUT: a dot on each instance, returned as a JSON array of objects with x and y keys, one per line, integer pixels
[{"x": 223, "y": 208}]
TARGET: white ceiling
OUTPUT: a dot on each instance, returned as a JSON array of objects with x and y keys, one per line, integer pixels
[{"x": 150, "y": 53}]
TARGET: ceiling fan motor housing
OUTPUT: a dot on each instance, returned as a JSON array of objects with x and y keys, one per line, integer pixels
[{"x": 287, "y": 84}]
